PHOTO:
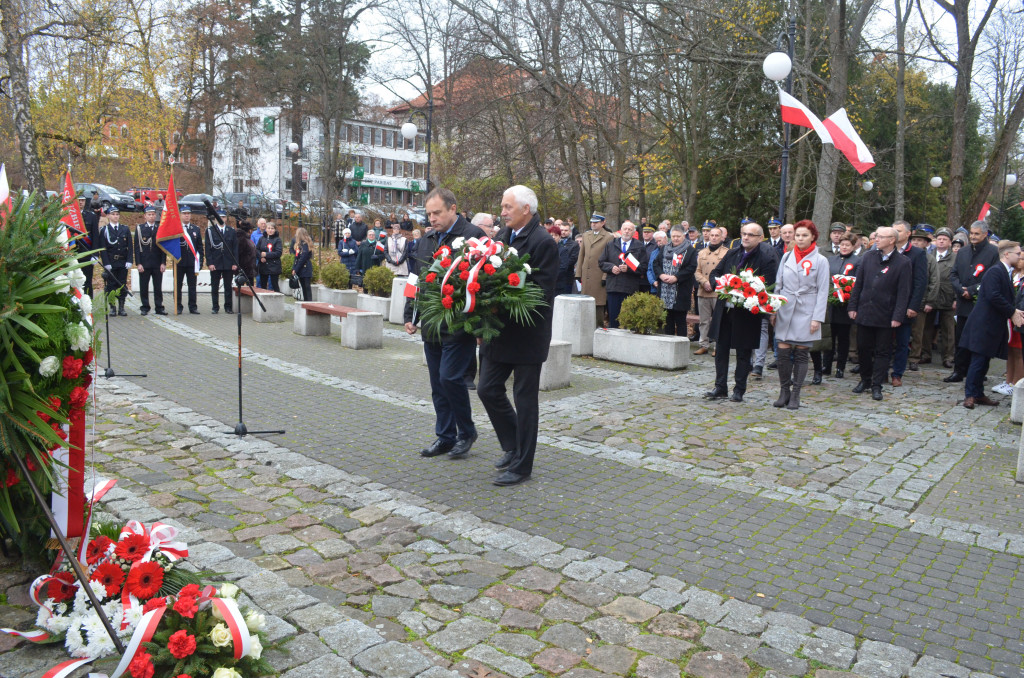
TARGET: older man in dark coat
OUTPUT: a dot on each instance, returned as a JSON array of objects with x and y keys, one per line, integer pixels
[
  {"x": 520, "y": 349},
  {"x": 985, "y": 331},
  {"x": 737, "y": 328},
  {"x": 915, "y": 305},
  {"x": 878, "y": 305},
  {"x": 624, "y": 260},
  {"x": 971, "y": 263}
]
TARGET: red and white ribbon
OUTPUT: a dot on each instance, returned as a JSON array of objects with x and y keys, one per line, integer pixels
[
  {"x": 34, "y": 636},
  {"x": 236, "y": 624},
  {"x": 143, "y": 634},
  {"x": 847, "y": 268},
  {"x": 979, "y": 269},
  {"x": 66, "y": 668},
  {"x": 97, "y": 492},
  {"x": 806, "y": 264},
  {"x": 161, "y": 538}
]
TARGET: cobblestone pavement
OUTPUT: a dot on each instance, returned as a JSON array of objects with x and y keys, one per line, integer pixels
[{"x": 889, "y": 531}]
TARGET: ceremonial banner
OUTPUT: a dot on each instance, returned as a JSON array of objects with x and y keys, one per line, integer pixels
[
  {"x": 170, "y": 231},
  {"x": 73, "y": 219}
]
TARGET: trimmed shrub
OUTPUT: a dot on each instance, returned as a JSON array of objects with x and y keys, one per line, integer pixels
[
  {"x": 377, "y": 281},
  {"x": 642, "y": 314},
  {"x": 335, "y": 276}
]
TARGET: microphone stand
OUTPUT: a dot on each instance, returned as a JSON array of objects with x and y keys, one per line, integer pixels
[{"x": 240, "y": 279}]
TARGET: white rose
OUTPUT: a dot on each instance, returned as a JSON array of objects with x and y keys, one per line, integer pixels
[
  {"x": 228, "y": 590},
  {"x": 458, "y": 242},
  {"x": 255, "y": 621},
  {"x": 255, "y": 647},
  {"x": 63, "y": 282},
  {"x": 217, "y": 614},
  {"x": 76, "y": 278},
  {"x": 226, "y": 672},
  {"x": 49, "y": 366},
  {"x": 220, "y": 636}
]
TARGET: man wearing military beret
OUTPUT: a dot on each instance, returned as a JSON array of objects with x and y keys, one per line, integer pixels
[
  {"x": 116, "y": 257},
  {"x": 151, "y": 262}
]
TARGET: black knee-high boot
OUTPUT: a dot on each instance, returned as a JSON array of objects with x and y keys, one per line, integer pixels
[
  {"x": 799, "y": 374},
  {"x": 785, "y": 365}
]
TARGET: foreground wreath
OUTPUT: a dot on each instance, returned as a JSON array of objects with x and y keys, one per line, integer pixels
[
  {"x": 748, "y": 291},
  {"x": 467, "y": 285}
]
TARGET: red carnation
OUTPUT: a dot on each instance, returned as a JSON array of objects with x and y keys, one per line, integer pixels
[
  {"x": 446, "y": 302},
  {"x": 145, "y": 579},
  {"x": 464, "y": 266},
  {"x": 54, "y": 403},
  {"x": 513, "y": 279},
  {"x": 153, "y": 604},
  {"x": 132, "y": 548},
  {"x": 446, "y": 262},
  {"x": 43, "y": 415},
  {"x": 111, "y": 576},
  {"x": 473, "y": 287},
  {"x": 464, "y": 275},
  {"x": 31, "y": 464},
  {"x": 72, "y": 367},
  {"x": 431, "y": 277},
  {"x": 186, "y": 605},
  {"x": 79, "y": 397},
  {"x": 489, "y": 270},
  {"x": 87, "y": 381},
  {"x": 754, "y": 310},
  {"x": 12, "y": 478},
  {"x": 88, "y": 357},
  {"x": 63, "y": 588},
  {"x": 142, "y": 666},
  {"x": 97, "y": 548},
  {"x": 181, "y": 644},
  {"x": 447, "y": 290},
  {"x": 440, "y": 251},
  {"x": 59, "y": 430}
]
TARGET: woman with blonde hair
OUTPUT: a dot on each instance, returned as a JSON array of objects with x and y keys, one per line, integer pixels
[{"x": 303, "y": 266}]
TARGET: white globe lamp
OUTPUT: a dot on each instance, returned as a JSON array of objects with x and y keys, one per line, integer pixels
[
  {"x": 935, "y": 182},
  {"x": 777, "y": 66},
  {"x": 867, "y": 185},
  {"x": 1011, "y": 180},
  {"x": 409, "y": 131},
  {"x": 293, "y": 147}
]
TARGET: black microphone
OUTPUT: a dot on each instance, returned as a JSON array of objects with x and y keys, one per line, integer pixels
[{"x": 210, "y": 212}]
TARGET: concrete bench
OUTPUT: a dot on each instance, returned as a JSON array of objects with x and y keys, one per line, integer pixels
[
  {"x": 554, "y": 373},
  {"x": 359, "y": 329},
  {"x": 272, "y": 301}
]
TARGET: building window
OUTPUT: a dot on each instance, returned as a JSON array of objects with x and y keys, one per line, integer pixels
[
  {"x": 391, "y": 139},
  {"x": 390, "y": 169},
  {"x": 238, "y": 185},
  {"x": 342, "y": 132},
  {"x": 378, "y": 137},
  {"x": 378, "y": 166},
  {"x": 305, "y": 123},
  {"x": 367, "y": 136},
  {"x": 419, "y": 170},
  {"x": 238, "y": 161},
  {"x": 124, "y": 131}
]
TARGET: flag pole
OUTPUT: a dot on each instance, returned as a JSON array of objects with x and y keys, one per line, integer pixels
[{"x": 174, "y": 274}]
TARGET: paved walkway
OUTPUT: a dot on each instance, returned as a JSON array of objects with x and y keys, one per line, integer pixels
[{"x": 893, "y": 526}]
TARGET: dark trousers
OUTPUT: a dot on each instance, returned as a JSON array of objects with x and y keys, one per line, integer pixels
[
  {"x": 901, "y": 349},
  {"x": 675, "y": 322},
  {"x": 447, "y": 364},
  {"x": 268, "y": 282},
  {"x": 743, "y": 364},
  {"x": 615, "y": 300},
  {"x": 516, "y": 428},
  {"x": 841, "y": 344},
  {"x": 962, "y": 357},
  {"x": 565, "y": 286},
  {"x": 874, "y": 346},
  {"x": 307, "y": 288},
  {"x": 187, "y": 274},
  {"x": 117, "y": 280},
  {"x": 974, "y": 383},
  {"x": 154, "y": 274},
  {"x": 216, "y": 276},
  {"x": 87, "y": 287}
]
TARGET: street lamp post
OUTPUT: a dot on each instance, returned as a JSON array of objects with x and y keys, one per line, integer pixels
[
  {"x": 778, "y": 66},
  {"x": 409, "y": 131}
]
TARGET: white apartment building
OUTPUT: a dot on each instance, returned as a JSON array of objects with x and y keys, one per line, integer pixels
[{"x": 383, "y": 168}]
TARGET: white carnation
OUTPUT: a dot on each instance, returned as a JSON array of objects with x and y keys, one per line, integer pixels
[
  {"x": 64, "y": 284},
  {"x": 49, "y": 366},
  {"x": 526, "y": 267},
  {"x": 85, "y": 303},
  {"x": 77, "y": 278},
  {"x": 749, "y": 303},
  {"x": 458, "y": 242},
  {"x": 495, "y": 261},
  {"x": 513, "y": 251},
  {"x": 78, "y": 335}
]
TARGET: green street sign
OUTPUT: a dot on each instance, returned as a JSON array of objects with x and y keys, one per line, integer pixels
[
  {"x": 415, "y": 185},
  {"x": 268, "y": 125},
  {"x": 357, "y": 172},
  {"x": 365, "y": 198}
]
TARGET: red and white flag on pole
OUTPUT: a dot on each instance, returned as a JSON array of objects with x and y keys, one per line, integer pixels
[
  {"x": 849, "y": 143},
  {"x": 795, "y": 113},
  {"x": 5, "y": 195},
  {"x": 411, "y": 285},
  {"x": 73, "y": 219},
  {"x": 984, "y": 212}
]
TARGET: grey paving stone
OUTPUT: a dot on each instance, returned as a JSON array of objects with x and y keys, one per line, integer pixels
[
  {"x": 316, "y": 617},
  {"x": 488, "y": 608},
  {"x": 888, "y": 657},
  {"x": 392, "y": 660},
  {"x": 781, "y": 662},
  {"x": 407, "y": 589},
  {"x": 390, "y": 606},
  {"x": 589, "y": 594},
  {"x": 612, "y": 630},
  {"x": 349, "y": 638},
  {"x": 280, "y": 543},
  {"x": 327, "y": 665},
  {"x": 560, "y": 609},
  {"x": 439, "y": 672},
  {"x": 704, "y": 605},
  {"x": 829, "y": 653},
  {"x": 517, "y": 644},
  {"x": 742, "y": 617},
  {"x": 933, "y": 667},
  {"x": 612, "y": 659},
  {"x": 462, "y": 633},
  {"x": 512, "y": 666},
  {"x": 656, "y": 667},
  {"x": 582, "y": 571},
  {"x": 631, "y": 609},
  {"x": 676, "y": 626},
  {"x": 568, "y": 637},
  {"x": 630, "y": 582},
  {"x": 521, "y": 619},
  {"x": 535, "y": 579},
  {"x": 452, "y": 595},
  {"x": 835, "y": 636},
  {"x": 783, "y": 638},
  {"x": 726, "y": 641},
  {"x": 302, "y": 649},
  {"x": 669, "y": 648},
  {"x": 663, "y": 598},
  {"x": 790, "y": 621},
  {"x": 714, "y": 664}
]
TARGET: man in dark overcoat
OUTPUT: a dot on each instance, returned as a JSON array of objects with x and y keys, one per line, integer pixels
[
  {"x": 984, "y": 333},
  {"x": 520, "y": 350},
  {"x": 737, "y": 328},
  {"x": 971, "y": 263}
]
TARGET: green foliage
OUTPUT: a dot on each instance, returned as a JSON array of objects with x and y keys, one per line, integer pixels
[
  {"x": 377, "y": 281},
  {"x": 642, "y": 314},
  {"x": 110, "y": 530},
  {"x": 335, "y": 275},
  {"x": 287, "y": 261}
]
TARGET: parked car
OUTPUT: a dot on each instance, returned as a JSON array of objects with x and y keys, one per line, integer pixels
[{"x": 108, "y": 195}]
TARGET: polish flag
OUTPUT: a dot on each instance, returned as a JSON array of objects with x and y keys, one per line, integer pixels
[
  {"x": 795, "y": 113},
  {"x": 411, "y": 285},
  {"x": 5, "y": 194},
  {"x": 846, "y": 139},
  {"x": 984, "y": 212},
  {"x": 631, "y": 261}
]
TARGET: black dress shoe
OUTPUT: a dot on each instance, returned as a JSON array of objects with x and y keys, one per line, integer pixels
[
  {"x": 954, "y": 378},
  {"x": 736, "y": 397},
  {"x": 508, "y": 478},
  {"x": 506, "y": 461},
  {"x": 161, "y": 312},
  {"x": 113, "y": 313},
  {"x": 470, "y": 384},
  {"x": 179, "y": 310},
  {"x": 437, "y": 448},
  {"x": 123, "y": 313},
  {"x": 773, "y": 365},
  {"x": 715, "y": 394},
  {"x": 913, "y": 367},
  {"x": 144, "y": 311},
  {"x": 461, "y": 448},
  {"x": 876, "y": 392},
  {"x": 228, "y": 310},
  {"x": 839, "y": 373},
  {"x": 758, "y": 372},
  {"x": 855, "y": 369},
  {"x": 215, "y": 311},
  {"x": 817, "y": 377},
  {"x": 860, "y": 387},
  {"x": 193, "y": 311}
]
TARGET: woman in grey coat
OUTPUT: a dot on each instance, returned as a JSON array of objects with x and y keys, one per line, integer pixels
[{"x": 803, "y": 279}]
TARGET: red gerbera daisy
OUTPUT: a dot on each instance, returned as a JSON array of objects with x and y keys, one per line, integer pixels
[
  {"x": 63, "y": 588},
  {"x": 144, "y": 580},
  {"x": 97, "y": 548},
  {"x": 111, "y": 576},
  {"x": 132, "y": 548},
  {"x": 181, "y": 644}
]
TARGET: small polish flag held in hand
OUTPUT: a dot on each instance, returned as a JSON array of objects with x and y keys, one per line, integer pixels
[
  {"x": 629, "y": 260},
  {"x": 380, "y": 246},
  {"x": 412, "y": 286},
  {"x": 5, "y": 195},
  {"x": 984, "y": 212}
]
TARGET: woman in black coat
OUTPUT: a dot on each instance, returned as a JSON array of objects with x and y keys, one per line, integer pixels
[
  {"x": 246, "y": 251},
  {"x": 844, "y": 263},
  {"x": 270, "y": 251},
  {"x": 303, "y": 266},
  {"x": 674, "y": 268}
]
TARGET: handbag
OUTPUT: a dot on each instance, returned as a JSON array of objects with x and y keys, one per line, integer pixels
[{"x": 293, "y": 282}]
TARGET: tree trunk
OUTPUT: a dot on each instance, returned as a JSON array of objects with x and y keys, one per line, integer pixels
[
  {"x": 996, "y": 163},
  {"x": 901, "y": 106},
  {"x": 20, "y": 96}
]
